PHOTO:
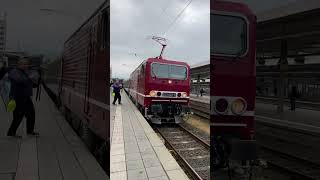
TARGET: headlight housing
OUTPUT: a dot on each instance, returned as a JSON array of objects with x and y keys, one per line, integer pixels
[
  {"x": 238, "y": 106},
  {"x": 221, "y": 106},
  {"x": 184, "y": 94},
  {"x": 152, "y": 93}
]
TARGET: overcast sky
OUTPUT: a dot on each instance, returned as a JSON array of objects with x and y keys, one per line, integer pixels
[
  {"x": 133, "y": 21},
  {"x": 38, "y": 32}
]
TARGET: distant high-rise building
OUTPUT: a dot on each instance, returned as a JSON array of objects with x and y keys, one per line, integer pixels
[
  {"x": 3, "y": 31},
  {"x": 110, "y": 72}
]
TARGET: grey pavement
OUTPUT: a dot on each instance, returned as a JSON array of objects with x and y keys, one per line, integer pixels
[
  {"x": 56, "y": 154},
  {"x": 136, "y": 150}
]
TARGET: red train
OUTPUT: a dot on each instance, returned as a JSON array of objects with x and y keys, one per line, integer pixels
[
  {"x": 83, "y": 88},
  {"x": 160, "y": 88},
  {"x": 233, "y": 79}
]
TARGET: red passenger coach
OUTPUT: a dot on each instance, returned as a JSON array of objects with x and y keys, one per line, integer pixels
[
  {"x": 160, "y": 88},
  {"x": 83, "y": 88},
  {"x": 233, "y": 73}
]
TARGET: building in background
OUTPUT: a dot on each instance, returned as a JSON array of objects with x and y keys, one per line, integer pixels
[
  {"x": 13, "y": 56},
  {"x": 3, "y": 32}
]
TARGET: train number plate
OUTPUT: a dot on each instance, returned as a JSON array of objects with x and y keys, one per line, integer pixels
[{"x": 169, "y": 94}]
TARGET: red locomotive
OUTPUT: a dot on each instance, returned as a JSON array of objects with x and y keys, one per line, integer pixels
[
  {"x": 83, "y": 89},
  {"x": 160, "y": 88},
  {"x": 233, "y": 79}
]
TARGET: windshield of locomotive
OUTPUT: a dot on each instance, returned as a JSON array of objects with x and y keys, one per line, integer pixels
[
  {"x": 168, "y": 71},
  {"x": 228, "y": 35}
]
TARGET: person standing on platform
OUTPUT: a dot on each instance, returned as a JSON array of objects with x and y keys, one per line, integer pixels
[
  {"x": 21, "y": 92},
  {"x": 121, "y": 88},
  {"x": 293, "y": 96},
  {"x": 201, "y": 91},
  {"x": 3, "y": 70},
  {"x": 116, "y": 91}
]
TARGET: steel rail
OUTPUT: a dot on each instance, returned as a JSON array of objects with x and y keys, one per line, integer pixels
[{"x": 191, "y": 170}]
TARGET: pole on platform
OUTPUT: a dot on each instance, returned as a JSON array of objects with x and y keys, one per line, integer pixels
[
  {"x": 283, "y": 68},
  {"x": 198, "y": 89}
]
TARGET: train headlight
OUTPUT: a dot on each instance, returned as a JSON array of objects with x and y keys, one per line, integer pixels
[
  {"x": 152, "y": 93},
  {"x": 184, "y": 94},
  {"x": 179, "y": 95},
  {"x": 238, "y": 106},
  {"x": 158, "y": 93},
  {"x": 221, "y": 106}
]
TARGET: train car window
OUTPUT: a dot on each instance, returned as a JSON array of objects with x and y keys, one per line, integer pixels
[
  {"x": 168, "y": 71},
  {"x": 230, "y": 42}
]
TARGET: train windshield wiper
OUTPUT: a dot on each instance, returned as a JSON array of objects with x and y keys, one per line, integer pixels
[{"x": 153, "y": 74}]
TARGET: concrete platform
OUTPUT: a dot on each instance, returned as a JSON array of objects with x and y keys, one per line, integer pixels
[
  {"x": 136, "y": 150},
  {"x": 57, "y": 154},
  {"x": 204, "y": 98}
]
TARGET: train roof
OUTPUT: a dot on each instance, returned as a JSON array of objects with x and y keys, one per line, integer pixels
[
  {"x": 234, "y": 7},
  {"x": 106, "y": 3},
  {"x": 166, "y": 61}
]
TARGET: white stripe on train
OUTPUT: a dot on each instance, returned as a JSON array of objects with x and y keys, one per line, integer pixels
[
  {"x": 91, "y": 100},
  {"x": 160, "y": 97}
]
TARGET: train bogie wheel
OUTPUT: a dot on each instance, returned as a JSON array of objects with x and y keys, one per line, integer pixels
[
  {"x": 220, "y": 153},
  {"x": 87, "y": 136}
]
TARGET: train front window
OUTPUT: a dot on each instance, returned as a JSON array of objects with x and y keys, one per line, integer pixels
[
  {"x": 228, "y": 35},
  {"x": 168, "y": 71}
]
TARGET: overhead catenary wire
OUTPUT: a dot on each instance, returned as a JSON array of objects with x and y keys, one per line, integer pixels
[
  {"x": 165, "y": 8},
  {"x": 177, "y": 17}
]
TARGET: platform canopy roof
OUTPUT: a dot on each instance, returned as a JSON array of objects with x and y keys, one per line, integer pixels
[
  {"x": 201, "y": 70},
  {"x": 298, "y": 23}
]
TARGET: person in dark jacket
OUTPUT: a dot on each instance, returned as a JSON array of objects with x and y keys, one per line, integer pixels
[
  {"x": 21, "y": 92},
  {"x": 293, "y": 96},
  {"x": 116, "y": 90},
  {"x": 201, "y": 91},
  {"x": 3, "y": 70}
]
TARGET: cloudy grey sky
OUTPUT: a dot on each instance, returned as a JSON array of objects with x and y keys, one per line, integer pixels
[
  {"x": 38, "y": 32},
  {"x": 133, "y": 21}
]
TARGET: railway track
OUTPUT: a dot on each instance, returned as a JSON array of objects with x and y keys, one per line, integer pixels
[
  {"x": 200, "y": 108},
  {"x": 290, "y": 149},
  {"x": 190, "y": 150},
  {"x": 296, "y": 168}
]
